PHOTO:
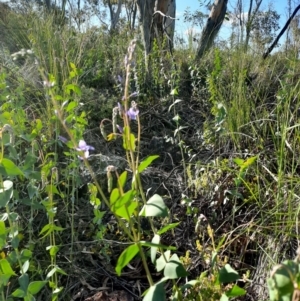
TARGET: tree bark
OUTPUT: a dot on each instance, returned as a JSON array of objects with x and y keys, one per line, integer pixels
[
  {"x": 146, "y": 10},
  {"x": 212, "y": 27},
  {"x": 114, "y": 15},
  {"x": 251, "y": 16},
  {"x": 156, "y": 17},
  {"x": 269, "y": 50},
  {"x": 164, "y": 20}
]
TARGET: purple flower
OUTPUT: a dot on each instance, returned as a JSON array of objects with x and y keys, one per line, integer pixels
[
  {"x": 133, "y": 111},
  {"x": 62, "y": 139},
  {"x": 120, "y": 79},
  {"x": 120, "y": 129},
  {"x": 83, "y": 147},
  {"x": 134, "y": 94}
]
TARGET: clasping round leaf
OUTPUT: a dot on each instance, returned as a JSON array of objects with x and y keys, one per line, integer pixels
[{"x": 6, "y": 193}]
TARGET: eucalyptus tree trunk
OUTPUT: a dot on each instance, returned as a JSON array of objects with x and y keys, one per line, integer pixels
[
  {"x": 251, "y": 15},
  {"x": 114, "y": 15},
  {"x": 146, "y": 10},
  {"x": 164, "y": 20},
  {"x": 212, "y": 26},
  {"x": 156, "y": 17}
]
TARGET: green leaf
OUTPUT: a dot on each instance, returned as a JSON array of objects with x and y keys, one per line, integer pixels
[
  {"x": 74, "y": 88},
  {"x": 115, "y": 194},
  {"x": 53, "y": 250},
  {"x": 24, "y": 281},
  {"x": 228, "y": 274},
  {"x": 2, "y": 228},
  {"x": 73, "y": 66},
  {"x": 128, "y": 140},
  {"x": 15, "y": 241},
  {"x": 56, "y": 269},
  {"x": 174, "y": 92},
  {"x": 247, "y": 163},
  {"x": 71, "y": 106},
  {"x": 4, "y": 280},
  {"x": 235, "y": 291},
  {"x": 125, "y": 205},
  {"x": 45, "y": 228},
  {"x": 6, "y": 268},
  {"x": 167, "y": 228},
  {"x": 153, "y": 250},
  {"x": 174, "y": 103},
  {"x": 25, "y": 267},
  {"x": 127, "y": 210},
  {"x": 238, "y": 161},
  {"x": 123, "y": 178},
  {"x": 145, "y": 163},
  {"x": 156, "y": 292},
  {"x": 126, "y": 256},
  {"x": 26, "y": 254},
  {"x": 18, "y": 293},
  {"x": 8, "y": 168},
  {"x": 6, "y": 193},
  {"x": 29, "y": 297},
  {"x": 155, "y": 206},
  {"x": 224, "y": 298},
  {"x": 189, "y": 284},
  {"x": 174, "y": 268},
  {"x": 35, "y": 286},
  {"x": 61, "y": 271},
  {"x": 162, "y": 261},
  {"x": 52, "y": 189}
]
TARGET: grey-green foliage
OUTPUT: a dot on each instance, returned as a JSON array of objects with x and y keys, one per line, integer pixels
[{"x": 284, "y": 282}]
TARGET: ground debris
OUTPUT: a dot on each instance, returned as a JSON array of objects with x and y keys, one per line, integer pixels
[{"x": 114, "y": 296}]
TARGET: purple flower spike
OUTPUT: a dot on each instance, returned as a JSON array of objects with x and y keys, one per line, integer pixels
[
  {"x": 62, "y": 139},
  {"x": 83, "y": 147},
  {"x": 120, "y": 79},
  {"x": 120, "y": 107},
  {"x": 132, "y": 113},
  {"x": 120, "y": 129},
  {"x": 134, "y": 94}
]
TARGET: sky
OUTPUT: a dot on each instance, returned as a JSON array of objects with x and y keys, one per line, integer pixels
[{"x": 181, "y": 5}]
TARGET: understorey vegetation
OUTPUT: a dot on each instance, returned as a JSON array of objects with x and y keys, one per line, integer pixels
[{"x": 157, "y": 177}]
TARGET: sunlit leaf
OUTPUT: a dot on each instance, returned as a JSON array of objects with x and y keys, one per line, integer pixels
[
  {"x": 6, "y": 268},
  {"x": 35, "y": 286},
  {"x": 155, "y": 206},
  {"x": 125, "y": 205},
  {"x": 8, "y": 168},
  {"x": 247, "y": 163},
  {"x": 174, "y": 103},
  {"x": 228, "y": 274},
  {"x": 127, "y": 255},
  {"x": 115, "y": 194},
  {"x": 156, "y": 292},
  {"x": 6, "y": 193},
  {"x": 235, "y": 291},
  {"x": 153, "y": 250},
  {"x": 25, "y": 267},
  {"x": 123, "y": 178},
  {"x": 167, "y": 228},
  {"x": 174, "y": 268},
  {"x": 145, "y": 163},
  {"x": 162, "y": 261},
  {"x": 19, "y": 293}
]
